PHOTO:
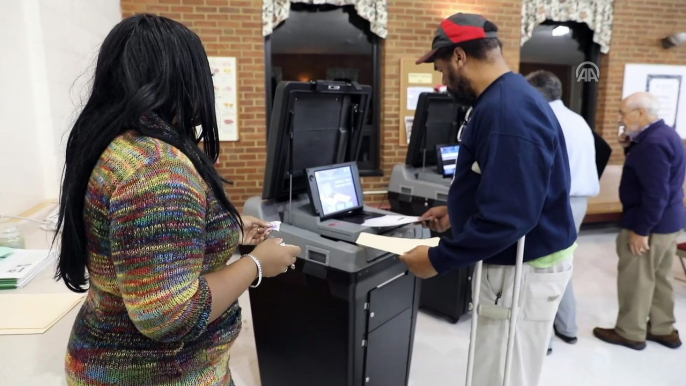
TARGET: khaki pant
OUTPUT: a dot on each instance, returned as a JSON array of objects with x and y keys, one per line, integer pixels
[
  {"x": 644, "y": 285},
  {"x": 540, "y": 296}
]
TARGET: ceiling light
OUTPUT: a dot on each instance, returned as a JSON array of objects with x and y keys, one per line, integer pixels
[{"x": 560, "y": 30}]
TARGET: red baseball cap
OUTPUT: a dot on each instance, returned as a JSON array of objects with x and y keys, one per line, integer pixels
[{"x": 459, "y": 28}]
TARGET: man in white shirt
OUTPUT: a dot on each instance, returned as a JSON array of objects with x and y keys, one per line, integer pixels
[{"x": 585, "y": 183}]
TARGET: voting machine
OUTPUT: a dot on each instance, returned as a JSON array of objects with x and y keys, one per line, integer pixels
[
  {"x": 423, "y": 182},
  {"x": 346, "y": 315}
]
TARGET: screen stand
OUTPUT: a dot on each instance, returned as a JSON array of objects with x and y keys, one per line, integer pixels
[
  {"x": 290, "y": 171},
  {"x": 424, "y": 161},
  {"x": 290, "y": 200}
]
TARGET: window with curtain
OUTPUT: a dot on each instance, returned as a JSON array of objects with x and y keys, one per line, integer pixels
[{"x": 327, "y": 42}]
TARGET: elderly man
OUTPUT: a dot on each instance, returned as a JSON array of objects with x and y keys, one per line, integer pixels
[
  {"x": 652, "y": 195},
  {"x": 585, "y": 182},
  {"x": 511, "y": 180}
]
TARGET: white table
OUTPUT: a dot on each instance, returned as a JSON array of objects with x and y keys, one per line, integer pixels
[
  {"x": 29, "y": 360},
  {"x": 38, "y": 360}
]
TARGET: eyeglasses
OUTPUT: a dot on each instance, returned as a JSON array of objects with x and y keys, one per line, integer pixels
[
  {"x": 624, "y": 114},
  {"x": 464, "y": 124}
]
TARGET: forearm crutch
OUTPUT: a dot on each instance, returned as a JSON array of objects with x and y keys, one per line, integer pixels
[{"x": 496, "y": 312}]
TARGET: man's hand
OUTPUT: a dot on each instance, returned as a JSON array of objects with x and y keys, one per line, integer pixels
[
  {"x": 436, "y": 219},
  {"x": 255, "y": 230},
  {"x": 638, "y": 244},
  {"x": 624, "y": 140},
  {"x": 418, "y": 262}
]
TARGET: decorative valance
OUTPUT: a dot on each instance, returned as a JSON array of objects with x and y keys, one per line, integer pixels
[
  {"x": 374, "y": 11},
  {"x": 597, "y": 14}
]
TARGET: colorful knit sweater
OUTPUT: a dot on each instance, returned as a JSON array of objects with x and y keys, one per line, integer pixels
[{"x": 153, "y": 228}]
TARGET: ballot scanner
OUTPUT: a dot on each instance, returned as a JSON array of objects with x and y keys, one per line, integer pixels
[
  {"x": 346, "y": 314},
  {"x": 423, "y": 182}
]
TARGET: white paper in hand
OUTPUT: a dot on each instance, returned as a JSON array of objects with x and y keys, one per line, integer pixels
[
  {"x": 274, "y": 225},
  {"x": 390, "y": 221},
  {"x": 395, "y": 245}
]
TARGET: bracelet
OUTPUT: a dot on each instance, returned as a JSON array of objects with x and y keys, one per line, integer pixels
[{"x": 259, "y": 269}]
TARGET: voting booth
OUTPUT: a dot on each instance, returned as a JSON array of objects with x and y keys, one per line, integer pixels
[
  {"x": 423, "y": 182},
  {"x": 419, "y": 185},
  {"x": 346, "y": 315}
]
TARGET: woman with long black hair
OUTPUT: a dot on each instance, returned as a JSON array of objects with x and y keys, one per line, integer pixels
[{"x": 145, "y": 222}]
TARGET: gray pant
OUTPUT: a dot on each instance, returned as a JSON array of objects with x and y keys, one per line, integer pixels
[
  {"x": 565, "y": 319},
  {"x": 541, "y": 292}
]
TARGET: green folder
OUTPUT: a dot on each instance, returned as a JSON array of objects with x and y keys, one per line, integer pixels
[
  {"x": 4, "y": 252},
  {"x": 21, "y": 265}
]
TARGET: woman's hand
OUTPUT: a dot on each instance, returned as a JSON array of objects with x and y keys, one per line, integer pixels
[
  {"x": 275, "y": 257},
  {"x": 255, "y": 230},
  {"x": 228, "y": 283}
]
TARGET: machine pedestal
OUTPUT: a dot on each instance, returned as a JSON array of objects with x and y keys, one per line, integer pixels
[
  {"x": 319, "y": 325},
  {"x": 448, "y": 295}
]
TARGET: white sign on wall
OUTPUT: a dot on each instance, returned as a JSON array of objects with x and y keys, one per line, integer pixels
[
  {"x": 226, "y": 96},
  {"x": 667, "y": 83},
  {"x": 666, "y": 88}
]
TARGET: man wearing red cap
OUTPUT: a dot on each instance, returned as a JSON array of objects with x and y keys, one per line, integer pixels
[{"x": 511, "y": 180}]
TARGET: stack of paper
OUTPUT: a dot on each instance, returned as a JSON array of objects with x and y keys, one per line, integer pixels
[
  {"x": 390, "y": 221},
  {"x": 396, "y": 245},
  {"x": 34, "y": 314},
  {"x": 22, "y": 265}
]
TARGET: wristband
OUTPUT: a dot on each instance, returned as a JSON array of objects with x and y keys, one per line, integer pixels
[{"x": 259, "y": 269}]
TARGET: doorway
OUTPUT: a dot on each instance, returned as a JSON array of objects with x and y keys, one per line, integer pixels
[
  {"x": 563, "y": 48},
  {"x": 327, "y": 42}
]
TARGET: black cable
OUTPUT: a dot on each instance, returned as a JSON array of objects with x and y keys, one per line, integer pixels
[{"x": 382, "y": 201}]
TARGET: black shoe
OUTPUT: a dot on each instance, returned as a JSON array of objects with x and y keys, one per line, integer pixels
[{"x": 565, "y": 338}]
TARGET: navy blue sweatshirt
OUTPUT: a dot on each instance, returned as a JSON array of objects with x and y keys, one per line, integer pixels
[
  {"x": 651, "y": 190},
  {"x": 520, "y": 186}
]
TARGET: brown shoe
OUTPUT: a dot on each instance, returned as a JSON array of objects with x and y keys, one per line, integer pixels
[
  {"x": 611, "y": 336},
  {"x": 672, "y": 340}
]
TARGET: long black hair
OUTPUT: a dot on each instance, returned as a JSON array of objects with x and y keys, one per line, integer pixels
[{"x": 147, "y": 65}]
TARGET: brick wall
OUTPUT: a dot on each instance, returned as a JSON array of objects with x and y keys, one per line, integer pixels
[
  {"x": 411, "y": 27},
  {"x": 229, "y": 28},
  {"x": 233, "y": 28},
  {"x": 638, "y": 27}
]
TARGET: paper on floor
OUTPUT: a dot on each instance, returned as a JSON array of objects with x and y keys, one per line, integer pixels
[
  {"x": 390, "y": 221},
  {"x": 394, "y": 244},
  {"x": 34, "y": 313}
]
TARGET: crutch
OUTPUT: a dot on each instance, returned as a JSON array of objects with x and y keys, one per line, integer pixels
[{"x": 496, "y": 312}]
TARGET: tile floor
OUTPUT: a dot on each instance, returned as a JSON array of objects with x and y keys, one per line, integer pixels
[{"x": 440, "y": 348}]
